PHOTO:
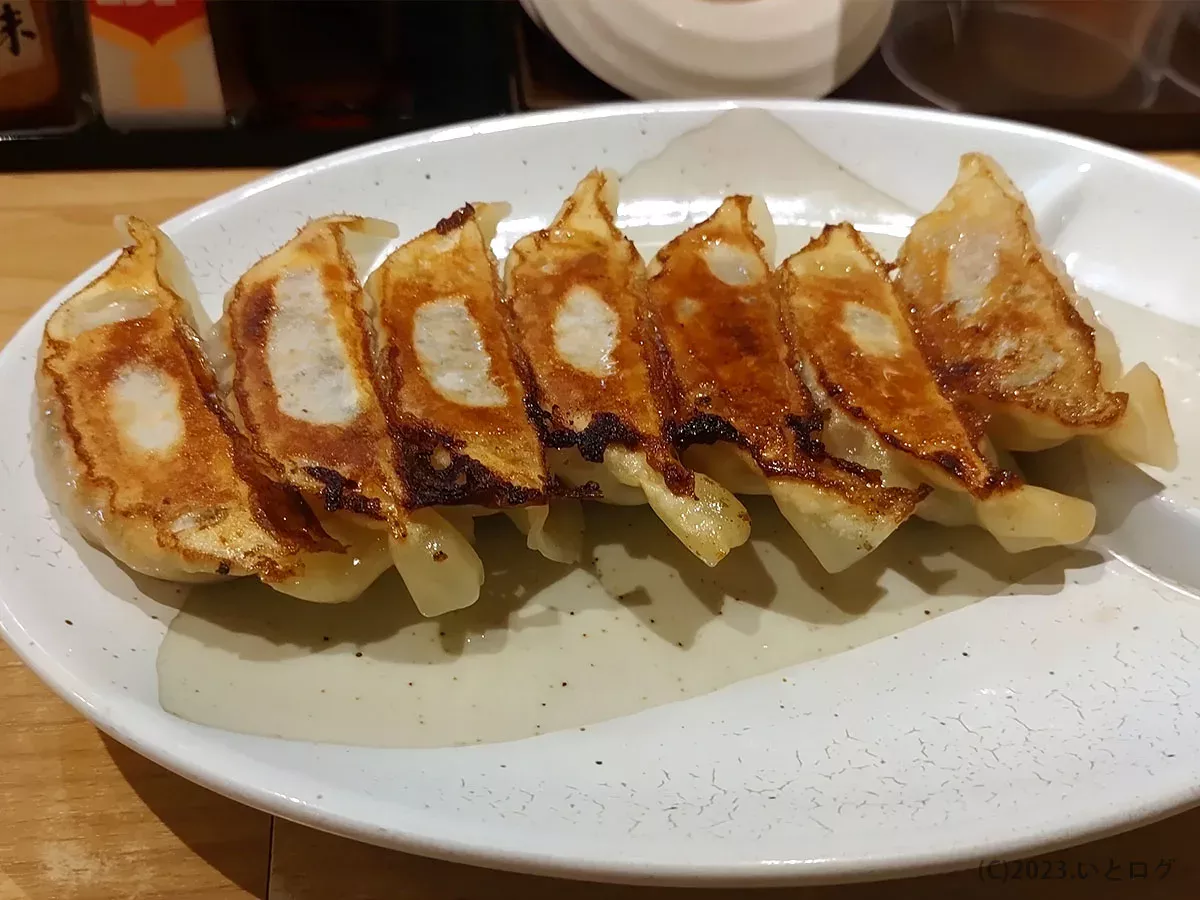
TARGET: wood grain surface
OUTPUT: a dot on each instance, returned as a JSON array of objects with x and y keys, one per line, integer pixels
[{"x": 83, "y": 817}]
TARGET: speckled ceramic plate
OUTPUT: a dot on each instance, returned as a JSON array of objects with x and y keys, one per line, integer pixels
[{"x": 1064, "y": 708}]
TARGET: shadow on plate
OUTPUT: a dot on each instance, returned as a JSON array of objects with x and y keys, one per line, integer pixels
[
  {"x": 1136, "y": 519},
  {"x": 629, "y": 559}
]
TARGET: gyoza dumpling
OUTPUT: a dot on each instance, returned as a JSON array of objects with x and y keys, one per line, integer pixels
[
  {"x": 886, "y": 411},
  {"x": 146, "y": 461},
  {"x": 452, "y": 386},
  {"x": 1000, "y": 322},
  {"x": 302, "y": 378},
  {"x": 576, "y": 293},
  {"x": 712, "y": 295}
]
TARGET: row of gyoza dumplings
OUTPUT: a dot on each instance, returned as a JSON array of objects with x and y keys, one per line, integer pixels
[{"x": 401, "y": 404}]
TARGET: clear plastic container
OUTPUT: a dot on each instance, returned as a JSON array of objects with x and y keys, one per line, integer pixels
[
  {"x": 1185, "y": 55},
  {"x": 989, "y": 55}
]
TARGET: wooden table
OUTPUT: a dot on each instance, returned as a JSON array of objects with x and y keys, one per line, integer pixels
[{"x": 83, "y": 817}]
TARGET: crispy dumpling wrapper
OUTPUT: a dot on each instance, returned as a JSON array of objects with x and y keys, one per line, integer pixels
[
  {"x": 713, "y": 299},
  {"x": 303, "y": 379},
  {"x": 885, "y": 409},
  {"x": 1001, "y": 323},
  {"x": 148, "y": 463},
  {"x": 451, "y": 380},
  {"x": 576, "y": 296}
]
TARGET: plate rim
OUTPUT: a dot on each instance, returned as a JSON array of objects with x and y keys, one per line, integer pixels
[{"x": 244, "y": 787}]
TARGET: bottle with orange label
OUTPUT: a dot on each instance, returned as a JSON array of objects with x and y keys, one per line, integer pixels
[{"x": 155, "y": 64}]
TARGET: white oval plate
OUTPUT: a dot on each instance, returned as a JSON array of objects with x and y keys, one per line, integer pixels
[{"x": 1075, "y": 714}]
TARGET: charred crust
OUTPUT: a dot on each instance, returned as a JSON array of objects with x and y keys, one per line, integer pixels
[
  {"x": 589, "y": 490},
  {"x": 870, "y": 476},
  {"x": 455, "y": 220},
  {"x": 808, "y": 430},
  {"x": 705, "y": 428},
  {"x": 550, "y": 434},
  {"x": 461, "y": 480},
  {"x": 607, "y": 429},
  {"x": 680, "y": 480},
  {"x": 339, "y": 492},
  {"x": 604, "y": 429},
  {"x": 943, "y": 459}
]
